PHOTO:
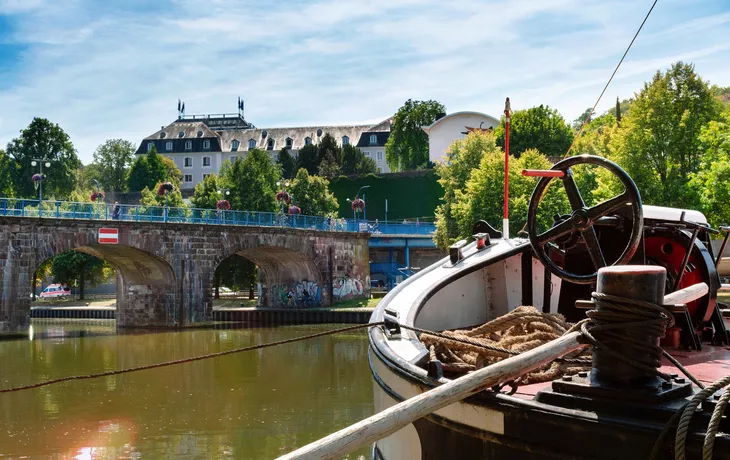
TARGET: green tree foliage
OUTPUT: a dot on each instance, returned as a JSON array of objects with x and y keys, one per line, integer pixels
[
  {"x": 722, "y": 94},
  {"x": 237, "y": 273},
  {"x": 206, "y": 194},
  {"x": 7, "y": 188},
  {"x": 308, "y": 158},
  {"x": 312, "y": 194},
  {"x": 77, "y": 268},
  {"x": 659, "y": 140},
  {"x": 172, "y": 199},
  {"x": 329, "y": 167},
  {"x": 287, "y": 162},
  {"x": 173, "y": 173},
  {"x": 578, "y": 122},
  {"x": 355, "y": 162},
  {"x": 113, "y": 159},
  {"x": 43, "y": 139},
  {"x": 147, "y": 170},
  {"x": 42, "y": 272},
  {"x": 462, "y": 158},
  {"x": 712, "y": 181},
  {"x": 407, "y": 146},
  {"x": 252, "y": 181},
  {"x": 328, "y": 147},
  {"x": 540, "y": 128}
]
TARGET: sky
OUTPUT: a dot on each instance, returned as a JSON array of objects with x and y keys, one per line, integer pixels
[{"x": 116, "y": 69}]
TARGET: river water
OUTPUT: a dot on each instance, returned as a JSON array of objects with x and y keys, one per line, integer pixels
[{"x": 250, "y": 405}]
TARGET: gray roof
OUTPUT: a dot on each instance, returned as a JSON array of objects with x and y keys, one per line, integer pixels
[
  {"x": 190, "y": 130},
  {"x": 297, "y": 135}
]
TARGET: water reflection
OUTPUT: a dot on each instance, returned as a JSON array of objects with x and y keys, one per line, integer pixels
[{"x": 257, "y": 404}]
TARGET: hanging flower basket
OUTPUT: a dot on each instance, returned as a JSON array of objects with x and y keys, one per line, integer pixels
[
  {"x": 283, "y": 196},
  {"x": 223, "y": 204},
  {"x": 295, "y": 209},
  {"x": 358, "y": 204},
  {"x": 98, "y": 196},
  {"x": 38, "y": 177},
  {"x": 164, "y": 188}
]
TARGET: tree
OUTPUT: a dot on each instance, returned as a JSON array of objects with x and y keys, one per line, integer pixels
[
  {"x": 147, "y": 171},
  {"x": 618, "y": 111},
  {"x": 252, "y": 182},
  {"x": 172, "y": 199},
  {"x": 329, "y": 167},
  {"x": 578, "y": 122},
  {"x": 113, "y": 159},
  {"x": 308, "y": 158},
  {"x": 540, "y": 128},
  {"x": 43, "y": 272},
  {"x": 712, "y": 181},
  {"x": 312, "y": 194},
  {"x": 287, "y": 162},
  {"x": 407, "y": 146},
  {"x": 7, "y": 188},
  {"x": 238, "y": 273},
  {"x": 172, "y": 172},
  {"x": 328, "y": 147},
  {"x": 47, "y": 141},
  {"x": 206, "y": 194},
  {"x": 355, "y": 162},
  {"x": 659, "y": 141},
  {"x": 462, "y": 158},
  {"x": 77, "y": 268}
]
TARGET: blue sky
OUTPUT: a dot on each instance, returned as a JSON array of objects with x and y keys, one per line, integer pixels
[{"x": 115, "y": 69}]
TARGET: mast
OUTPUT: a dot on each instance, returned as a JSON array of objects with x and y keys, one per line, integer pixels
[{"x": 505, "y": 220}]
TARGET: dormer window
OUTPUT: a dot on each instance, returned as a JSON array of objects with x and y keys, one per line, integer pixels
[
  {"x": 188, "y": 145},
  {"x": 162, "y": 135},
  {"x": 200, "y": 133},
  {"x": 168, "y": 146},
  {"x": 288, "y": 142},
  {"x": 181, "y": 134},
  {"x": 234, "y": 145},
  {"x": 319, "y": 132},
  {"x": 206, "y": 144},
  {"x": 373, "y": 139},
  {"x": 251, "y": 144},
  {"x": 307, "y": 140},
  {"x": 270, "y": 144},
  {"x": 345, "y": 140},
  {"x": 149, "y": 146}
]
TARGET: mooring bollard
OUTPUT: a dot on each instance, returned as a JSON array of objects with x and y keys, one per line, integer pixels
[{"x": 636, "y": 282}]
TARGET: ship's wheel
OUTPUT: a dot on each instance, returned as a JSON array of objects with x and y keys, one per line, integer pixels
[{"x": 580, "y": 223}]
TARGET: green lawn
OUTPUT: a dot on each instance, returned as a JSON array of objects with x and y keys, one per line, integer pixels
[{"x": 370, "y": 303}]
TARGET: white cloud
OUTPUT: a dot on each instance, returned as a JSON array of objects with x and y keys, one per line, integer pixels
[{"x": 107, "y": 71}]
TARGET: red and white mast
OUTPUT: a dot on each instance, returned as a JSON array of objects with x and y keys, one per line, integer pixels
[{"x": 505, "y": 220}]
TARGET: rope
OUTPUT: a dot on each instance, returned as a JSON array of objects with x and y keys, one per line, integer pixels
[
  {"x": 187, "y": 360},
  {"x": 520, "y": 330},
  {"x": 712, "y": 428},
  {"x": 680, "y": 442}
]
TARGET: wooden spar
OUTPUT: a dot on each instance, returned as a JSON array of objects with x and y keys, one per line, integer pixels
[
  {"x": 396, "y": 417},
  {"x": 505, "y": 220},
  {"x": 686, "y": 295}
]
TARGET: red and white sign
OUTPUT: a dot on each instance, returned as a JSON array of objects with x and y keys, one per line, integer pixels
[{"x": 108, "y": 236}]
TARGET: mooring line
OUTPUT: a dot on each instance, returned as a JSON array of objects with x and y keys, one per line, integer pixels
[{"x": 187, "y": 360}]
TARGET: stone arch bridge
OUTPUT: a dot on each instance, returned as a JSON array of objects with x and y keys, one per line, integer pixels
[{"x": 165, "y": 270}]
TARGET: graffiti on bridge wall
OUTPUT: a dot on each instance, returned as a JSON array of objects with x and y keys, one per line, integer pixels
[
  {"x": 348, "y": 288},
  {"x": 297, "y": 294}
]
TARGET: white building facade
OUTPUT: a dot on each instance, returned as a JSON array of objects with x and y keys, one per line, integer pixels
[
  {"x": 199, "y": 144},
  {"x": 448, "y": 128}
]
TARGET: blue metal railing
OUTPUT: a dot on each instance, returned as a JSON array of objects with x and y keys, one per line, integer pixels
[{"x": 52, "y": 209}]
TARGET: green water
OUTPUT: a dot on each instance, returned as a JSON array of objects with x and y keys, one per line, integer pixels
[{"x": 250, "y": 405}]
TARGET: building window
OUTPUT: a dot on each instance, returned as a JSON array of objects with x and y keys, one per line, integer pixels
[
  {"x": 234, "y": 146},
  {"x": 200, "y": 133},
  {"x": 270, "y": 144},
  {"x": 232, "y": 158},
  {"x": 206, "y": 144},
  {"x": 168, "y": 146},
  {"x": 288, "y": 142},
  {"x": 380, "y": 170},
  {"x": 307, "y": 140},
  {"x": 345, "y": 140},
  {"x": 206, "y": 161},
  {"x": 188, "y": 145},
  {"x": 373, "y": 139},
  {"x": 188, "y": 177},
  {"x": 380, "y": 155},
  {"x": 181, "y": 134},
  {"x": 188, "y": 162},
  {"x": 367, "y": 154},
  {"x": 205, "y": 176},
  {"x": 149, "y": 146},
  {"x": 251, "y": 144}
]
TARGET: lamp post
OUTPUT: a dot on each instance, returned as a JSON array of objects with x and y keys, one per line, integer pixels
[
  {"x": 223, "y": 204},
  {"x": 40, "y": 162}
]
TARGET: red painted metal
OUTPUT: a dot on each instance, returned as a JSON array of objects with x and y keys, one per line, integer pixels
[{"x": 543, "y": 173}]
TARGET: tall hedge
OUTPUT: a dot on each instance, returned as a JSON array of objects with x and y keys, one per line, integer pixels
[{"x": 410, "y": 194}]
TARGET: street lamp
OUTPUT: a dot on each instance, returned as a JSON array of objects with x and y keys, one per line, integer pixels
[
  {"x": 282, "y": 195},
  {"x": 40, "y": 162}
]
